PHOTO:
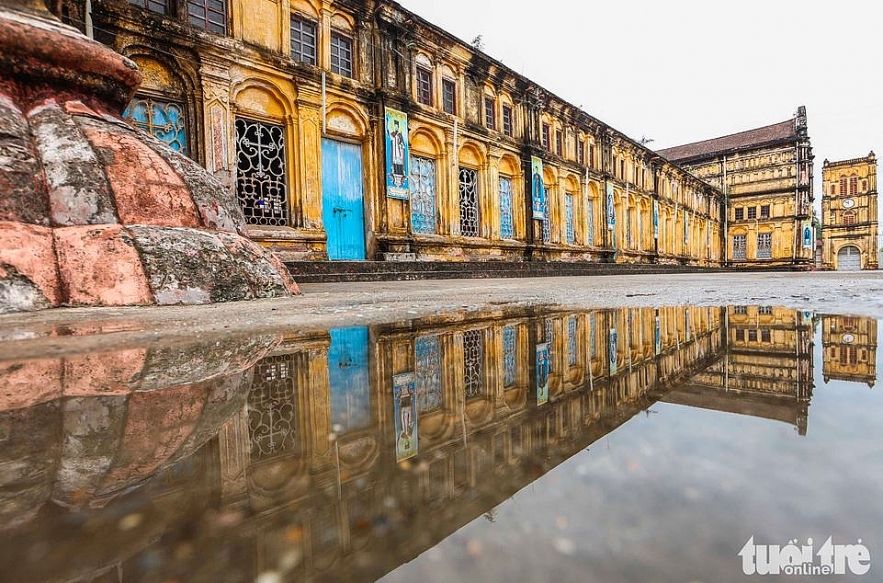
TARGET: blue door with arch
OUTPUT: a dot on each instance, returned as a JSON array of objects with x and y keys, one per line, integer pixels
[{"x": 342, "y": 205}]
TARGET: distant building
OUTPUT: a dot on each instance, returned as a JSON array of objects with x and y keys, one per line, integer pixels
[
  {"x": 849, "y": 214},
  {"x": 849, "y": 346},
  {"x": 766, "y": 176}
]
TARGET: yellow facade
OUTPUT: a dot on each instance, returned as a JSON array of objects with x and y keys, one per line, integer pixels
[
  {"x": 849, "y": 346},
  {"x": 849, "y": 214},
  {"x": 766, "y": 176},
  {"x": 309, "y": 75}
]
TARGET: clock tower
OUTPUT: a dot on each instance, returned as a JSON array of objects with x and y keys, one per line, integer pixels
[{"x": 849, "y": 214}]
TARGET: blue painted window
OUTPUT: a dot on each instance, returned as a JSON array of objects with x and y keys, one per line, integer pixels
[
  {"x": 427, "y": 354},
  {"x": 422, "y": 195},
  {"x": 163, "y": 119},
  {"x": 571, "y": 341},
  {"x": 568, "y": 219},
  {"x": 507, "y": 227},
  {"x": 510, "y": 372}
]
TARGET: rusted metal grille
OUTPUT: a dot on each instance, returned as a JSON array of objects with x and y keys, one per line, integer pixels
[
  {"x": 260, "y": 183},
  {"x": 469, "y": 217}
]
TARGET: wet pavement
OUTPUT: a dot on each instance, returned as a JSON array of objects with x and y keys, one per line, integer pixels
[{"x": 490, "y": 442}]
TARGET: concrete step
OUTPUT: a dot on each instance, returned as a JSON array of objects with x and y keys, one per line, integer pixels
[{"x": 343, "y": 271}]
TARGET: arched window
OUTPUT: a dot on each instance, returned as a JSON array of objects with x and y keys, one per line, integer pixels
[
  {"x": 843, "y": 186},
  {"x": 853, "y": 185}
]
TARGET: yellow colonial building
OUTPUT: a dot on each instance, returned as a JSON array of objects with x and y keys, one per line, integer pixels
[
  {"x": 766, "y": 176},
  {"x": 849, "y": 347},
  {"x": 849, "y": 214},
  {"x": 355, "y": 130}
]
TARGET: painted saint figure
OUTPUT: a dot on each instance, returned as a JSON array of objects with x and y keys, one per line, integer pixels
[{"x": 397, "y": 154}]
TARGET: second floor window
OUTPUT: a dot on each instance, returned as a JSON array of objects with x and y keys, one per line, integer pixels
[
  {"x": 507, "y": 120},
  {"x": 341, "y": 55},
  {"x": 740, "y": 214},
  {"x": 424, "y": 86},
  {"x": 765, "y": 211},
  {"x": 158, "y": 6},
  {"x": 449, "y": 96},
  {"x": 490, "y": 118},
  {"x": 592, "y": 155},
  {"x": 303, "y": 41},
  {"x": 545, "y": 137},
  {"x": 208, "y": 14},
  {"x": 752, "y": 212}
]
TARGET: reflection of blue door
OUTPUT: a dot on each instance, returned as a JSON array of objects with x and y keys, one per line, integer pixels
[
  {"x": 348, "y": 376},
  {"x": 342, "y": 211}
]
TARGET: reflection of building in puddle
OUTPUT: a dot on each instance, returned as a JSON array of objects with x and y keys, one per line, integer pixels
[
  {"x": 361, "y": 448},
  {"x": 764, "y": 371},
  {"x": 849, "y": 349}
]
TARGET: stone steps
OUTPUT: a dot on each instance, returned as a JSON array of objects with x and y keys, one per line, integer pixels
[{"x": 343, "y": 271}]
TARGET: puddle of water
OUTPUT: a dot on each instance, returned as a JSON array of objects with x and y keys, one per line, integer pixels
[{"x": 611, "y": 445}]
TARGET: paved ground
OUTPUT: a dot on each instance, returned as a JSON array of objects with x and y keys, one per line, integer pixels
[{"x": 341, "y": 304}]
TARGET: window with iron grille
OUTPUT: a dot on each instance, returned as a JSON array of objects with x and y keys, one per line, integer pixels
[
  {"x": 158, "y": 6},
  {"x": 570, "y": 235},
  {"x": 507, "y": 224},
  {"x": 490, "y": 114},
  {"x": 507, "y": 120},
  {"x": 765, "y": 211},
  {"x": 303, "y": 40},
  {"x": 764, "y": 245},
  {"x": 580, "y": 152},
  {"x": 739, "y": 246},
  {"x": 260, "y": 174},
  {"x": 590, "y": 225},
  {"x": 424, "y": 86},
  {"x": 473, "y": 363},
  {"x": 559, "y": 139},
  {"x": 208, "y": 14},
  {"x": 469, "y": 217},
  {"x": 546, "y": 136},
  {"x": 428, "y": 372},
  {"x": 752, "y": 212},
  {"x": 510, "y": 360},
  {"x": 449, "y": 96},
  {"x": 164, "y": 119},
  {"x": 572, "y": 341},
  {"x": 341, "y": 54},
  {"x": 739, "y": 213},
  {"x": 422, "y": 184},
  {"x": 272, "y": 414}
]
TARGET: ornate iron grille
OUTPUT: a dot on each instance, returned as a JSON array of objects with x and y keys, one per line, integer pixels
[
  {"x": 260, "y": 182},
  {"x": 510, "y": 370},
  {"x": 571, "y": 341},
  {"x": 422, "y": 195},
  {"x": 427, "y": 354},
  {"x": 590, "y": 226},
  {"x": 628, "y": 227},
  {"x": 163, "y": 119},
  {"x": 473, "y": 363},
  {"x": 548, "y": 336},
  {"x": 271, "y": 412},
  {"x": 507, "y": 226},
  {"x": 593, "y": 349},
  {"x": 764, "y": 245},
  {"x": 547, "y": 219},
  {"x": 739, "y": 246},
  {"x": 568, "y": 219},
  {"x": 469, "y": 218}
]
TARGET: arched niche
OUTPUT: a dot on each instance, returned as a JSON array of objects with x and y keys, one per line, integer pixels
[
  {"x": 260, "y": 100},
  {"x": 509, "y": 166},
  {"x": 345, "y": 120},
  {"x": 306, "y": 8},
  {"x": 471, "y": 155},
  {"x": 424, "y": 141}
]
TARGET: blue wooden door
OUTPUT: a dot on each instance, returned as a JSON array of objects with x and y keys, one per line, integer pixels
[
  {"x": 348, "y": 379},
  {"x": 342, "y": 210}
]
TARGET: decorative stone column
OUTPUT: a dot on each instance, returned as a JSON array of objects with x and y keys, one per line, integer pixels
[{"x": 92, "y": 211}]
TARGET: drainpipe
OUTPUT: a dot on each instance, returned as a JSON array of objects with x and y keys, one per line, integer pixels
[
  {"x": 726, "y": 213},
  {"x": 90, "y": 33}
]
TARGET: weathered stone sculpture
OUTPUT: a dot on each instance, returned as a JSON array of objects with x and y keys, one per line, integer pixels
[{"x": 92, "y": 211}]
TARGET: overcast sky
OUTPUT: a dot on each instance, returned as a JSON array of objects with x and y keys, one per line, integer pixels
[{"x": 687, "y": 70}]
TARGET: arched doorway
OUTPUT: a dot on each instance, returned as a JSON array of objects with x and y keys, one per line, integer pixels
[{"x": 849, "y": 259}]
